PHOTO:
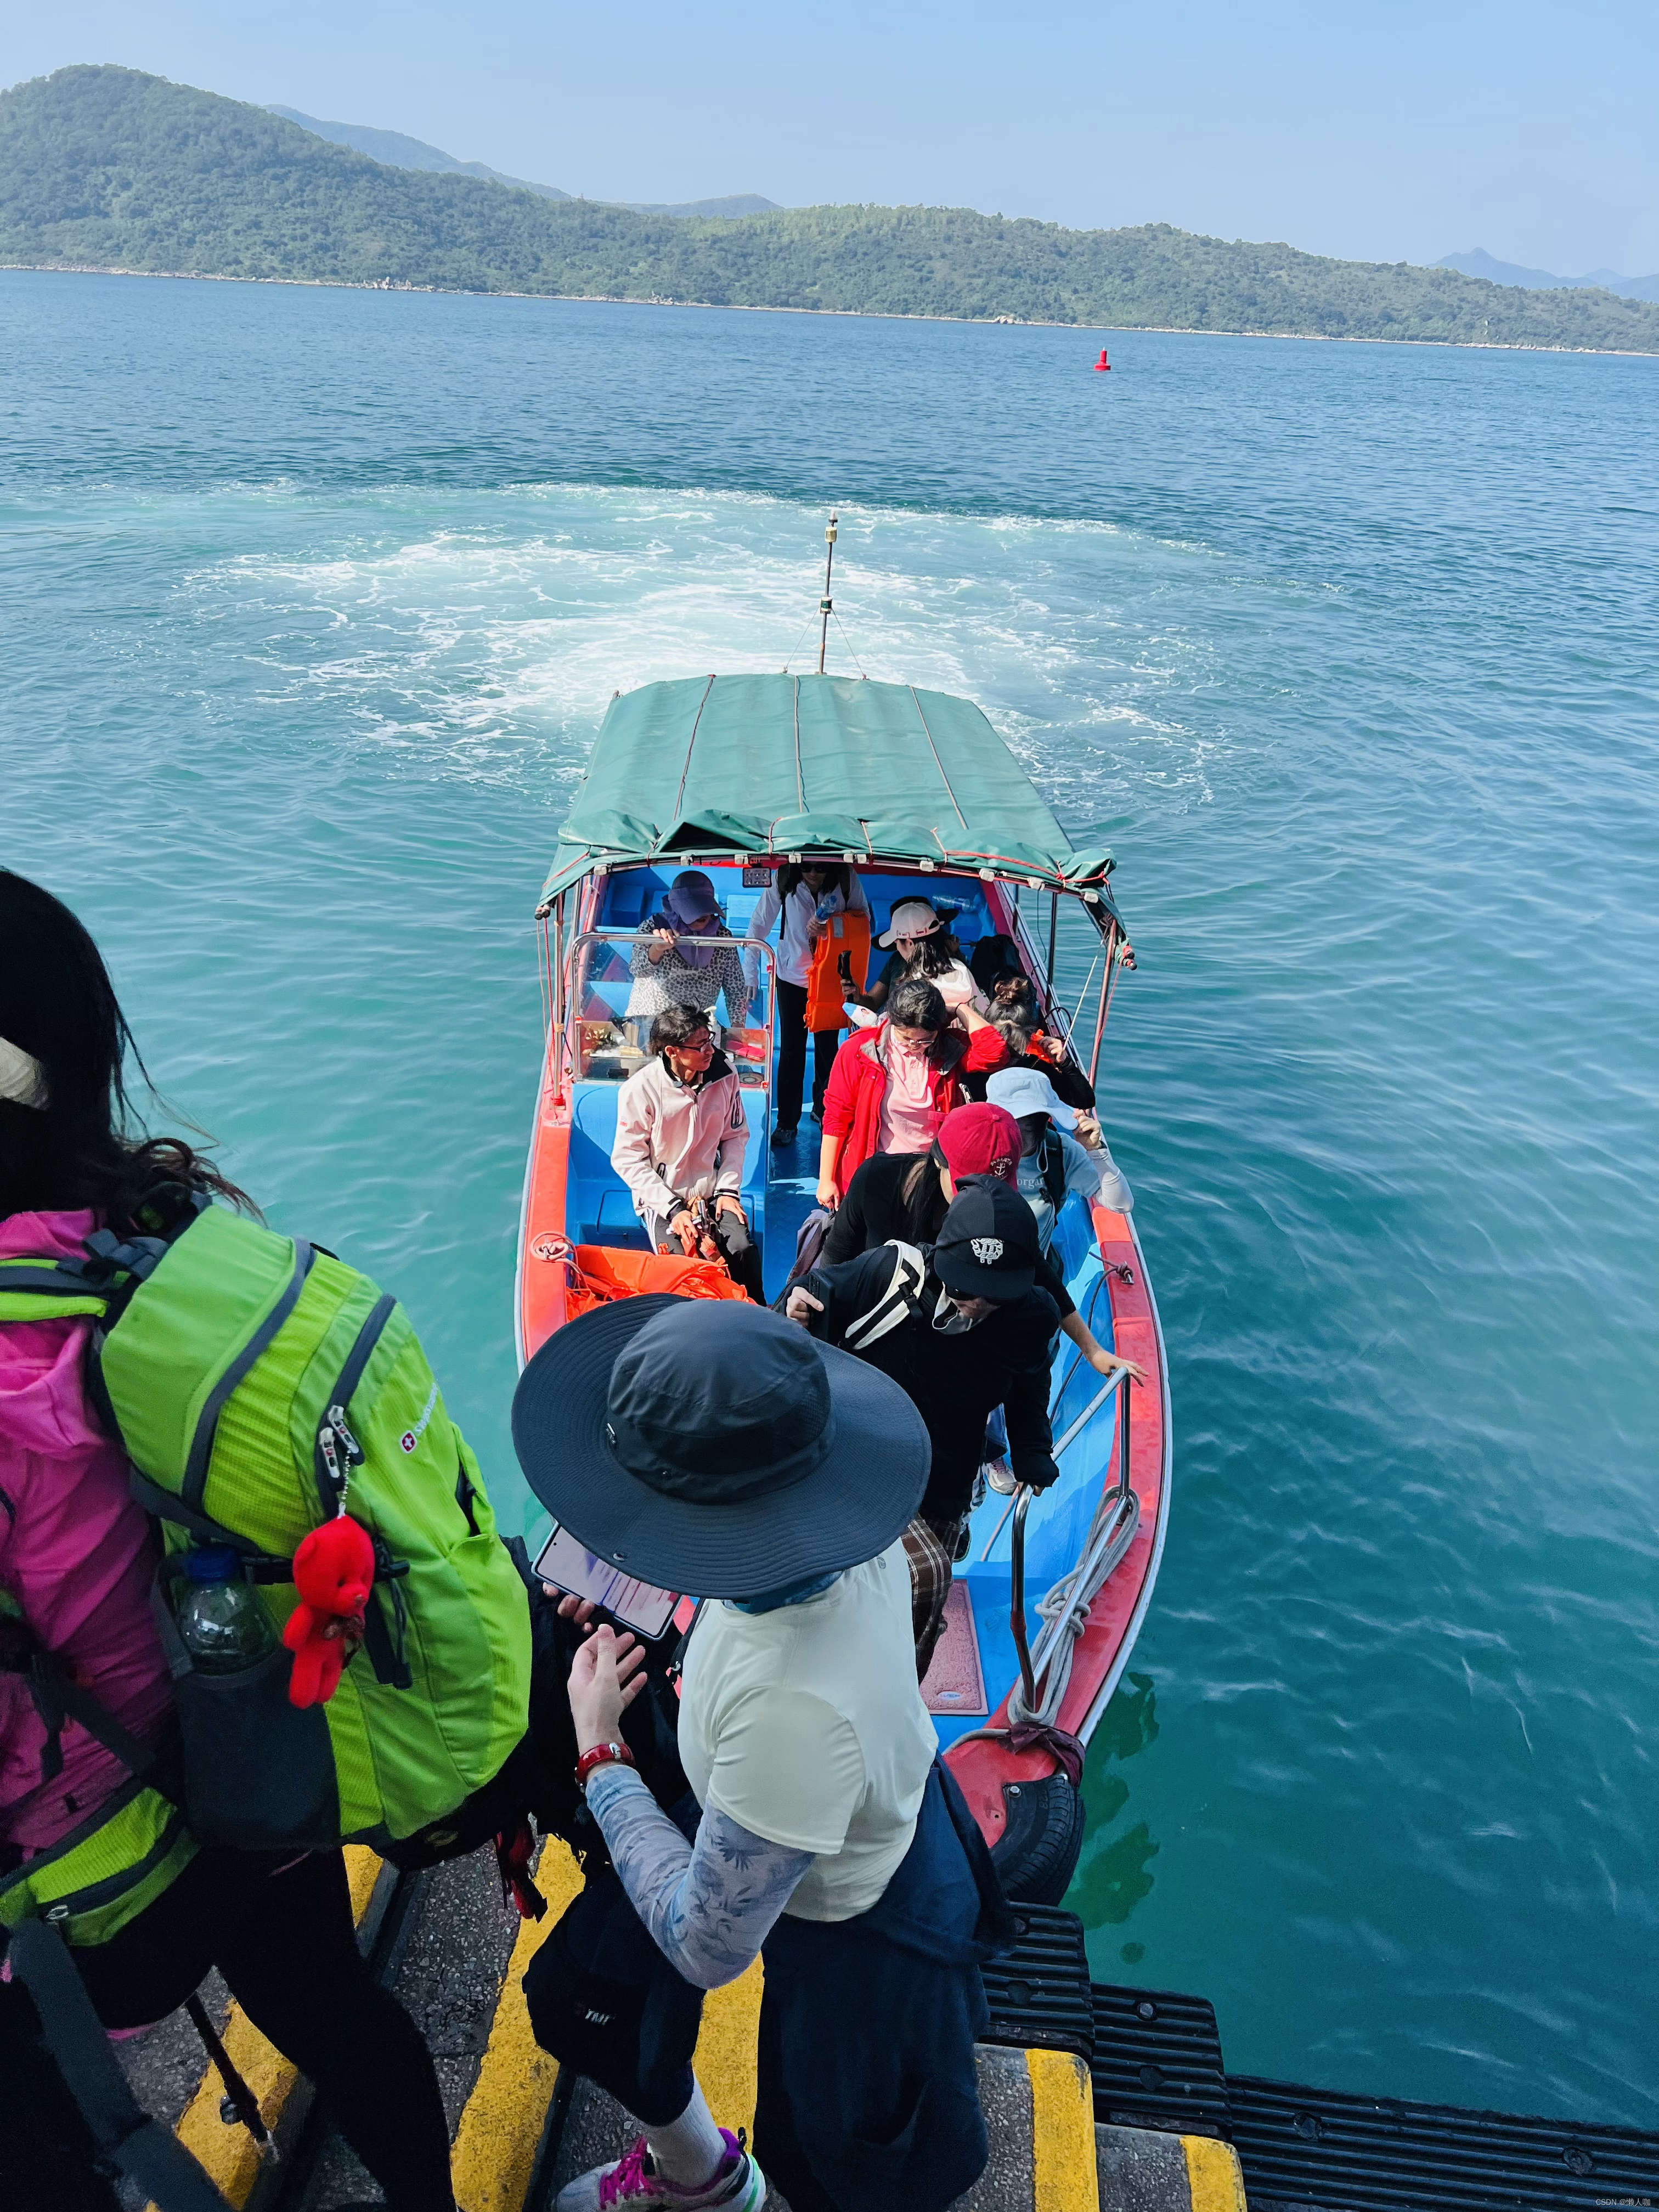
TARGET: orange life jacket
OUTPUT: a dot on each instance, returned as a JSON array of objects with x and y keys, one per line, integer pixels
[{"x": 846, "y": 933}]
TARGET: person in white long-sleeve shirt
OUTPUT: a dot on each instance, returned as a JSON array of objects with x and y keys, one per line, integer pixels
[
  {"x": 681, "y": 1137},
  {"x": 807, "y": 898}
]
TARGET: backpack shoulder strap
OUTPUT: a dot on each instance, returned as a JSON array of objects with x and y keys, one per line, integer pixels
[
  {"x": 124, "y": 2132},
  {"x": 37, "y": 1287},
  {"x": 1053, "y": 1169},
  {"x": 897, "y": 1303}
]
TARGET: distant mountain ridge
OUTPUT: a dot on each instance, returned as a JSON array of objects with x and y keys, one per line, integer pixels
[
  {"x": 396, "y": 151},
  {"x": 399, "y": 152},
  {"x": 1480, "y": 263},
  {"x": 109, "y": 168}
]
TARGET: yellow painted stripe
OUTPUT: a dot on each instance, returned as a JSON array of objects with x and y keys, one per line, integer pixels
[
  {"x": 1064, "y": 2176},
  {"x": 726, "y": 2050},
  {"x": 1213, "y": 2179},
  {"x": 229, "y": 2153},
  {"x": 501, "y": 2125}
]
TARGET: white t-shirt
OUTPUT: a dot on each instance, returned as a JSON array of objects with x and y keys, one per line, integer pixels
[
  {"x": 794, "y": 954},
  {"x": 957, "y": 988},
  {"x": 807, "y": 1726}
]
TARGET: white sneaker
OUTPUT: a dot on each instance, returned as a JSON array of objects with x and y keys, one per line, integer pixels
[
  {"x": 1001, "y": 1476},
  {"x": 632, "y": 2184}
]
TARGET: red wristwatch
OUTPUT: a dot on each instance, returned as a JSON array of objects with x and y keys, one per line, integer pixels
[{"x": 602, "y": 1755}]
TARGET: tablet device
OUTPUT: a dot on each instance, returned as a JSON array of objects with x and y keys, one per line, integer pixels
[{"x": 570, "y": 1566}]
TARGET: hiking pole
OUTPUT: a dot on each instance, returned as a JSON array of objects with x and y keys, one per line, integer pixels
[{"x": 238, "y": 2101}]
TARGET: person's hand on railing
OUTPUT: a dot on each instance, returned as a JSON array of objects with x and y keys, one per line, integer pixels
[
  {"x": 1111, "y": 1363},
  {"x": 663, "y": 942}
]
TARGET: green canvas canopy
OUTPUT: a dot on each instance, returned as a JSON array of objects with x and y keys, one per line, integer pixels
[{"x": 777, "y": 764}]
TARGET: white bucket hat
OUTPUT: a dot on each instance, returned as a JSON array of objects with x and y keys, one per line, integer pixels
[
  {"x": 909, "y": 918},
  {"x": 1022, "y": 1090}
]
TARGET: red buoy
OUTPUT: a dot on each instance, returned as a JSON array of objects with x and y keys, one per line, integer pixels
[{"x": 1103, "y": 363}]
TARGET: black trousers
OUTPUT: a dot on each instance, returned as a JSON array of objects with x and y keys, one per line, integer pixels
[
  {"x": 791, "y": 1055},
  {"x": 286, "y": 1946}
]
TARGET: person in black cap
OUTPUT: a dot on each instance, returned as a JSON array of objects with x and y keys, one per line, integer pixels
[
  {"x": 713, "y": 1447},
  {"x": 968, "y": 1330}
]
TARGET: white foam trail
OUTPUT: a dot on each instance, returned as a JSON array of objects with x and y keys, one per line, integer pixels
[{"x": 481, "y": 636}]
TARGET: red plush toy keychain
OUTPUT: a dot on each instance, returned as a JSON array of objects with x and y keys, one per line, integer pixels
[{"x": 333, "y": 1572}]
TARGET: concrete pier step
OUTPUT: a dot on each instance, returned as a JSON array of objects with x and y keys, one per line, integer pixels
[
  {"x": 446, "y": 1944},
  {"x": 1047, "y": 2153}
]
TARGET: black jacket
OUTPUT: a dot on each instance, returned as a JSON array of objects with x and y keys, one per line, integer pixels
[
  {"x": 955, "y": 1382},
  {"x": 870, "y": 1213}
]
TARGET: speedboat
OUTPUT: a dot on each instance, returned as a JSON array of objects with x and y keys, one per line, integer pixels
[{"x": 914, "y": 791}]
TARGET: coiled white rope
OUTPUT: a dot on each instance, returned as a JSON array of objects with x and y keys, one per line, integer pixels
[{"x": 1065, "y": 1611}]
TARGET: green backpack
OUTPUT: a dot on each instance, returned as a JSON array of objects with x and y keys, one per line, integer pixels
[{"x": 257, "y": 1384}]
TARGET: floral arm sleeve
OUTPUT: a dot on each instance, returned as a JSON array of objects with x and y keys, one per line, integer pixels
[
  {"x": 709, "y": 1906},
  {"x": 730, "y": 969}
]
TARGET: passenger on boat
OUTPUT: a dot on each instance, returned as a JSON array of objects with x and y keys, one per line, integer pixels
[
  {"x": 681, "y": 1137},
  {"x": 891, "y": 1086},
  {"x": 923, "y": 946},
  {"x": 808, "y": 897},
  {"x": 963, "y": 1327},
  {"x": 905, "y": 1195},
  {"x": 715, "y": 1446},
  {"x": 1060, "y": 1150},
  {"x": 1044, "y": 1055},
  {"x": 678, "y": 965}
]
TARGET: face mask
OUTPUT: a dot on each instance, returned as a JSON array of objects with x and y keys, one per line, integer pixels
[{"x": 946, "y": 1319}]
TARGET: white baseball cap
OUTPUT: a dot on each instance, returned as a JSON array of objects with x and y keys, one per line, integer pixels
[
  {"x": 1022, "y": 1090},
  {"x": 909, "y": 918}
]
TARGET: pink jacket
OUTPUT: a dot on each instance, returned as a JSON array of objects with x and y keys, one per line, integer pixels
[{"x": 76, "y": 1553}]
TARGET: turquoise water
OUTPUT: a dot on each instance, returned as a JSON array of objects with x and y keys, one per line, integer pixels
[{"x": 311, "y": 602}]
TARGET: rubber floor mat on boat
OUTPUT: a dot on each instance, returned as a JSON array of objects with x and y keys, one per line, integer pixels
[
  {"x": 1157, "y": 2063},
  {"x": 1038, "y": 1992},
  {"x": 1315, "y": 2148}
]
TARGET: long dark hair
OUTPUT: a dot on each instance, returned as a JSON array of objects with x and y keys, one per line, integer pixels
[
  {"x": 922, "y": 1202},
  {"x": 933, "y": 953},
  {"x": 840, "y": 875},
  {"x": 84, "y": 1146}
]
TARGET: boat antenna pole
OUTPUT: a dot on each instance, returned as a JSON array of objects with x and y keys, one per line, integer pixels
[{"x": 826, "y": 605}]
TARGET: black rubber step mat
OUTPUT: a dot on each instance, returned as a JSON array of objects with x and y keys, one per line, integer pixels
[
  {"x": 1038, "y": 1992},
  {"x": 1157, "y": 2063},
  {"x": 1315, "y": 2147}
]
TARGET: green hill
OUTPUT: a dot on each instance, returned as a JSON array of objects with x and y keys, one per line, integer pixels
[{"x": 108, "y": 168}]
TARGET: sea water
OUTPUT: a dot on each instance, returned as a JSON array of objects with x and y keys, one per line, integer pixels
[{"x": 312, "y": 601}]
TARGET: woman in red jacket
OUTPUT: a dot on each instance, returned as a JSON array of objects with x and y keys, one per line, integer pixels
[{"x": 891, "y": 1086}]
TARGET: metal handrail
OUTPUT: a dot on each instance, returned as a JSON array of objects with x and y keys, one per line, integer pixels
[
  {"x": 1022, "y": 1503},
  {"x": 1023, "y": 1498},
  {"x": 614, "y": 935},
  {"x": 1066, "y": 1442}
]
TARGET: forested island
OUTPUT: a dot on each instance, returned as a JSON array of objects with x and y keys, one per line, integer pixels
[{"x": 110, "y": 168}]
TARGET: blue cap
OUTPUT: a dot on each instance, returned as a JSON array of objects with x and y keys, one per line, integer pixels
[{"x": 212, "y": 1563}]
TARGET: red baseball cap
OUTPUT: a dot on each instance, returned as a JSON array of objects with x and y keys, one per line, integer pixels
[{"x": 979, "y": 1141}]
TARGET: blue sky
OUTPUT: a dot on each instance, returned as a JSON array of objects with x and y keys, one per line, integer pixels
[{"x": 1393, "y": 133}]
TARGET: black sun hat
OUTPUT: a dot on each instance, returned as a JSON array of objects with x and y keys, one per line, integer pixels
[
  {"x": 987, "y": 1244},
  {"x": 709, "y": 1446}
]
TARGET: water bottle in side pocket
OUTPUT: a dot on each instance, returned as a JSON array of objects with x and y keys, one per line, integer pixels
[{"x": 222, "y": 1621}]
